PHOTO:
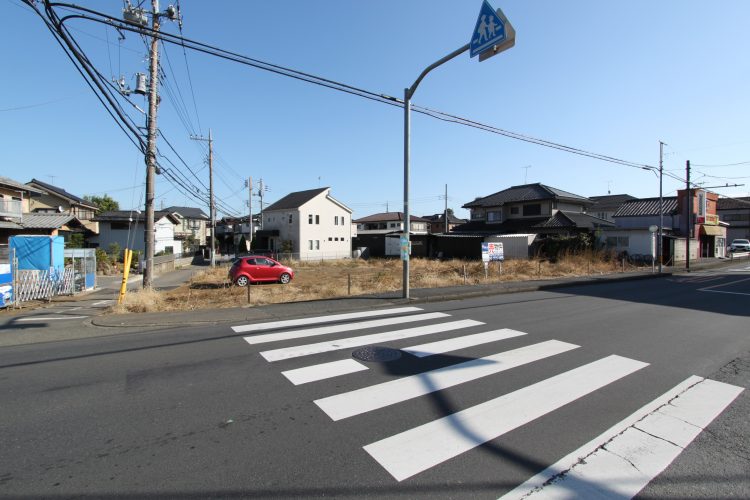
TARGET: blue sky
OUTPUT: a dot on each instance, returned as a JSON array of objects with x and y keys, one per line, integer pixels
[{"x": 611, "y": 78}]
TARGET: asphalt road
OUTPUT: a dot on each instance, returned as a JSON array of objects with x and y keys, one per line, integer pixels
[{"x": 202, "y": 412}]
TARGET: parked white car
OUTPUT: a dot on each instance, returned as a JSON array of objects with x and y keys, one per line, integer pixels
[{"x": 740, "y": 245}]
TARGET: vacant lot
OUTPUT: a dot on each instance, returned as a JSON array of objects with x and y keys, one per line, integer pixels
[{"x": 330, "y": 279}]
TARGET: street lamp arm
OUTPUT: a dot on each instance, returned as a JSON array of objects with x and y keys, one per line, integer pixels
[{"x": 410, "y": 91}]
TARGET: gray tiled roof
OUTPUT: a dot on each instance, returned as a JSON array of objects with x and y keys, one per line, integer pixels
[
  {"x": 126, "y": 215},
  {"x": 609, "y": 202},
  {"x": 575, "y": 219},
  {"x": 45, "y": 221},
  {"x": 526, "y": 192},
  {"x": 389, "y": 217},
  {"x": 188, "y": 212},
  {"x": 647, "y": 207},
  {"x": 452, "y": 219},
  {"x": 733, "y": 203},
  {"x": 6, "y": 181}
]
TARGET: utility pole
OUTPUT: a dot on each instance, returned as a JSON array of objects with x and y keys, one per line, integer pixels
[
  {"x": 153, "y": 103},
  {"x": 661, "y": 205},
  {"x": 211, "y": 204},
  {"x": 689, "y": 217},
  {"x": 250, "y": 208},
  {"x": 446, "y": 209},
  {"x": 261, "y": 189}
]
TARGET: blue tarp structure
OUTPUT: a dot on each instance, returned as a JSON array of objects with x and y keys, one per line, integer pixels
[
  {"x": 6, "y": 277},
  {"x": 41, "y": 253}
]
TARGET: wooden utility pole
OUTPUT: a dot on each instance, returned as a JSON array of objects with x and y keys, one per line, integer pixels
[
  {"x": 211, "y": 204},
  {"x": 153, "y": 103},
  {"x": 446, "y": 209},
  {"x": 250, "y": 209},
  {"x": 260, "y": 194}
]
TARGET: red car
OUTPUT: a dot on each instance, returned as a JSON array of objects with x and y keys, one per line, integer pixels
[{"x": 256, "y": 268}]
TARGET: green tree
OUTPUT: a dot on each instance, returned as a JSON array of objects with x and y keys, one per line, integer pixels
[
  {"x": 75, "y": 241},
  {"x": 105, "y": 203},
  {"x": 114, "y": 250}
]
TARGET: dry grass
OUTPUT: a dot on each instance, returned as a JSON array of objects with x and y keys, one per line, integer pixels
[{"x": 330, "y": 279}]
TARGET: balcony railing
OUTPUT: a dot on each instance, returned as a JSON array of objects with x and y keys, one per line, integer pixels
[{"x": 10, "y": 208}]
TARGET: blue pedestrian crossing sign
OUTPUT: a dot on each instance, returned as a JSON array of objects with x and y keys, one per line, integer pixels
[{"x": 492, "y": 33}]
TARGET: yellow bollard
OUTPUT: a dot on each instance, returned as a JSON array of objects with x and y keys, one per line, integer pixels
[{"x": 125, "y": 273}]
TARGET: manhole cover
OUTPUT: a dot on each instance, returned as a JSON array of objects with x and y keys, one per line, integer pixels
[{"x": 376, "y": 354}]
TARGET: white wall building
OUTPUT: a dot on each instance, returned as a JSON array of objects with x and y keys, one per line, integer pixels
[
  {"x": 311, "y": 225},
  {"x": 127, "y": 230}
]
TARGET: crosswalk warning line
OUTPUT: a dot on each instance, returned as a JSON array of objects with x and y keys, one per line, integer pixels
[
  {"x": 346, "y": 343},
  {"x": 416, "y": 450},
  {"x": 321, "y": 319},
  {"x": 346, "y": 327},
  {"x": 637, "y": 449},
  {"x": 378, "y": 396}
]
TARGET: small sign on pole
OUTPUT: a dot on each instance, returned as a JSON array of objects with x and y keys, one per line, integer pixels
[{"x": 405, "y": 246}]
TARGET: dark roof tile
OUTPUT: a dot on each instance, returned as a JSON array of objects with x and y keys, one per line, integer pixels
[
  {"x": 526, "y": 192},
  {"x": 647, "y": 207}
]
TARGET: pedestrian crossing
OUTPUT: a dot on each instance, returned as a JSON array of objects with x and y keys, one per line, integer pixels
[{"x": 415, "y": 450}]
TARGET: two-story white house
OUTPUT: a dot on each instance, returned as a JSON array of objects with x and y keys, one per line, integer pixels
[{"x": 309, "y": 225}]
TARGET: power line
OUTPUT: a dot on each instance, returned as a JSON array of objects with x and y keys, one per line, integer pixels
[{"x": 331, "y": 84}]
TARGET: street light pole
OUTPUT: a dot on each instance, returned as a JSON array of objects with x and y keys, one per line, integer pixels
[
  {"x": 408, "y": 93},
  {"x": 661, "y": 205}
]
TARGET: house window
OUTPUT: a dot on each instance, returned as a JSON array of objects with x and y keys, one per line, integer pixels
[
  {"x": 317, "y": 219},
  {"x": 618, "y": 241},
  {"x": 290, "y": 218},
  {"x": 336, "y": 220},
  {"x": 343, "y": 220},
  {"x": 514, "y": 210},
  {"x": 309, "y": 219},
  {"x": 495, "y": 216},
  {"x": 330, "y": 239},
  {"x": 310, "y": 243},
  {"x": 317, "y": 244},
  {"x": 533, "y": 209}
]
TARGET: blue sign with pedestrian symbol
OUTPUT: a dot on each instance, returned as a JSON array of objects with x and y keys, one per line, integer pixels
[{"x": 489, "y": 31}]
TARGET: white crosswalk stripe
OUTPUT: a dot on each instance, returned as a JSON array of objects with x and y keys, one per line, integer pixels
[
  {"x": 646, "y": 442},
  {"x": 323, "y": 371},
  {"x": 346, "y": 327},
  {"x": 335, "y": 345},
  {"x": 454, "y": 344},
  {"x": 378, "y": 396},
  {"x": 415, "y": 450},
  {"x": 321, "y": 319}
]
